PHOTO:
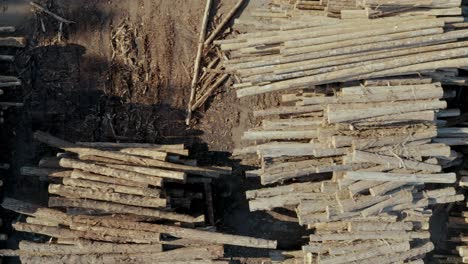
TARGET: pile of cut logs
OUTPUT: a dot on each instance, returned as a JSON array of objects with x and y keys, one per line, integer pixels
[
  {"x": 358, "y": 147},
  {"x": 8, "y": 47},
  {"x": 359, "y": 9},
  {"x": 120, "y": 203}
]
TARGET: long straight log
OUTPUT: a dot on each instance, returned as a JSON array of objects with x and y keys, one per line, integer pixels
[
  {"x": 121, "y": 208},
  {"x": 176, "y": 256},
  {"x": 106, "y": 187},
  {"x": 359, "y": 255},
  {"x": 181, "y": 232},
  {"x": 111, "y": 172},
  {"x": 13, "y": 42},
  {"x": 89, "y": 248},
  {"x": 401, "y": 177},
  {"x": 77, "y": 174},
  {"x": 393, "y": 235},
  {"x": 78, "y": 192},
  {"x": 392, "y": 162},
  {"x": 198, "y": 58}
]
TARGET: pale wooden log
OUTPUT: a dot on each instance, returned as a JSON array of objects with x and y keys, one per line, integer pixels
[
  {"x": 146, "y": 153},
  {"x": 279, "y": 134},
  {"x": 111, "y": 145},
  {"x": 376, "y": 226},
  {"x": 58, "y": 143},
  {"x": 286, "y": 189},
  {"x": 363, "y": 144},
  {"x": 176, "y": 175},
  {"x": 371, "y": 90},
  {"x": 223, "y": 23},
  {"x": 400, "y": 197},
  {"x": 396, "y": 257},
  {"x": 395, "y": 81},
  {"x": 133, "y": 235},
  {"x": 77, "y": 174},
  {"x": 120, "y": 208},
  {"x": 285, "y": 200},
  {"x": 288, "y": 123},
  {"x": 288, "y": 110},
  {"x": 361, "y": 186},
  {"x": 77, "y": 192},
  {"x": 13, "y": 42},
  {"x": 348, "y": 248},
  {"x": 286, "y": 149},
  {"x": 386, "y": 187},
  {"x": 394, "y": 235},
  {"x": 88, "y": 248},
  {"x": 365, "y": 254},
  {"x": 392, "y": 162},
  {"x": 111, "y": 172},
  {"x": 35, "y": 211},
  {"x": 424, "y": 150},
  {"x": 41, "y": 221},
  {"x": 177, "y": 256},
  {"x": 421, "y": 93},
  {"x": 198, "y": 59},
  {"x": 109, "y": 188},
  {"x": 349, "y": 205},
  {"x": 212, "y": 237},
  {"x": 382, "y": 110},
  {"x": 401, "y": 177}
]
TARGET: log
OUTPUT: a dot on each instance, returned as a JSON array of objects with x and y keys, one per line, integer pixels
[
  {"x": 13, "y": 42},
  {"x": 360, "y": 255},
  {"x": 77, "y": 174},
  {"x": 401, "y": 177},
  {"x": 176, "y": 175},
  {"x": 121, "y": 208},
  {"x": 128, "y": 199},
  {"x": 376, "y": 226},
  {"x": 393, "y": 162},
  {"x": 194, "y": 234},
  {"x": 111, "y": 145},
  {"x": 223, "y": 23},
  {"x": 111, "y": 172},
  {"x": 35, "y": 211},
  {"x": 396, "y": 257},
  {"x": 58, "y": 143},
  {"x": 176, "y": 256},
  {"x": 45, "y": 10},
  {"x": 198, "y": 58},
  {"x": 109, "y": 188},
  {"x": 88, "y": 248},
  {"x": 393, "y": 235},
  {"x": 159, "y": 155}
]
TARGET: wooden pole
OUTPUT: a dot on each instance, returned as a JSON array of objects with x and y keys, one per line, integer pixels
[
  {"x": 198, "y": 58},
  {"x": 223, "y": 23}
]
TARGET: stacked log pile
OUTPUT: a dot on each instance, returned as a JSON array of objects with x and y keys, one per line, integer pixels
[
  {"x": 121, "y": 203},
  {"x": 358, "y": 146},
  {"x": 8, "y": 47}
]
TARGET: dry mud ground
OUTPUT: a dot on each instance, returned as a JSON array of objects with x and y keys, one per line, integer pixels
[{"x": 79, "y": 89}]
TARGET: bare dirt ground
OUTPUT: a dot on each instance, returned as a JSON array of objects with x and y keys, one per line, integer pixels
[{"x": 84, "y": 89}]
